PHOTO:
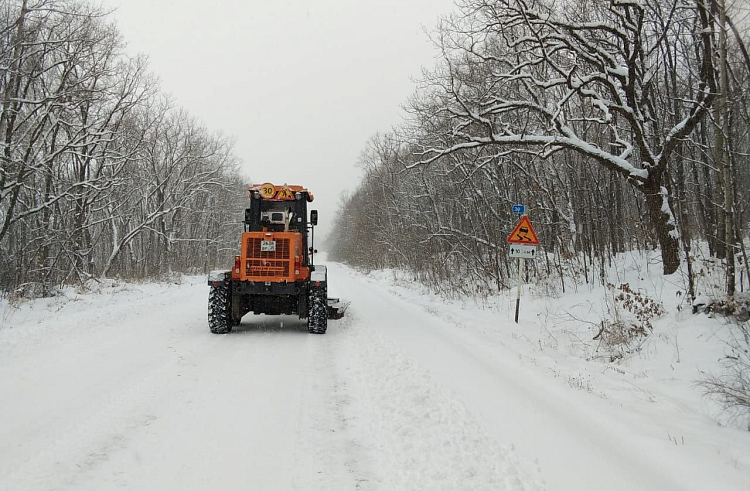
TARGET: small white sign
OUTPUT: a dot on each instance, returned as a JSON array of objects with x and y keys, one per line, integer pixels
[
  {"x": 523, "y": 250},
  {"x": 268, "y": 246}
]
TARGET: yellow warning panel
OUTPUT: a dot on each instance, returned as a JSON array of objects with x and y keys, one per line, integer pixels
[
  {"x": 285, "y": 193},
  {"x": 267, "y": 190},
  {"x": 523, "y": 233}
]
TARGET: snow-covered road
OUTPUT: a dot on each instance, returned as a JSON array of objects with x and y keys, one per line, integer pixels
[{"x": 129, "y": 390}]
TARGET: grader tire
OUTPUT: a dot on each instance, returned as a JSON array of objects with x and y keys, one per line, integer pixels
[
  {"x": 317, "y": 313},
  {"x": 219, "y": 308}
]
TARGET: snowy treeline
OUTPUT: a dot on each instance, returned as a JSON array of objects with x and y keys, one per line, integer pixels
[
  {"x": 99, "y": 173},
  {"x": 621, "y": 125}
]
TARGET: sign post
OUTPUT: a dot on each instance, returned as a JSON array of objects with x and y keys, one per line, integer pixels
[
  {"x": 518, "y": 292},
  {"x": 523, "y": 245}
]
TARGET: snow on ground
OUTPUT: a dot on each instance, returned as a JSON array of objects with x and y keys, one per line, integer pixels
[
  {"x": 125, "y": 388},
  {"x": 638, "y": 423}
]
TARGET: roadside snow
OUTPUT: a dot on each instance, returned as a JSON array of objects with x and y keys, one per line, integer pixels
[{"x": 638, "y": 423}]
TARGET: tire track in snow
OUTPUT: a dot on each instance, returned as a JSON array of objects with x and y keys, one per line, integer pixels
[
  {"x": 106, "y": 424},
  {"x": 330, "y": 452},
  {"x": 418, "y": 436}
]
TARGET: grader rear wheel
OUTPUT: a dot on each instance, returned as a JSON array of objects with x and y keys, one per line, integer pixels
[
  {"x": 317, "y": 311},
  {"x": 219, "y": 308}
]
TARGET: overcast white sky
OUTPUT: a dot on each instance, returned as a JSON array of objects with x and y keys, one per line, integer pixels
[{"x": 301, "y": 86}]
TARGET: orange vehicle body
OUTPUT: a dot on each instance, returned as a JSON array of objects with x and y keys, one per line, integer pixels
[
  {"x": 284, "y": 264},
  {"x": 287, "y": 261}
]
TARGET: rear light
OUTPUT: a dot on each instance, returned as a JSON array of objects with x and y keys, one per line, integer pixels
[
  {"x": 237, "y": 264},
  {"x": 296, "y": 264}
]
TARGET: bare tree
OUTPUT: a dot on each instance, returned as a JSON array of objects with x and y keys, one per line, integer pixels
[
  {"x": 93, "y": 162},
  {"x": 545, "y": 77}
]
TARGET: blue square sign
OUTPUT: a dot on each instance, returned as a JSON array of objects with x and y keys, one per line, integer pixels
[{"x": 519, "y": 209}]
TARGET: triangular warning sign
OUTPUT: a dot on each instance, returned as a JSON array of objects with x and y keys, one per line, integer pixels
[{"x": 523, "y": 233}]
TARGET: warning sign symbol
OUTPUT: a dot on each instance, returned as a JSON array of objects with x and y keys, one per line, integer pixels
[{"x": 523, "y": 233}]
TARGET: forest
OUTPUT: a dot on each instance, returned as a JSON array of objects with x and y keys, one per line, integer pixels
[
  {"x": 621, "y": 125},
  {"x": 101, "y": 174}
]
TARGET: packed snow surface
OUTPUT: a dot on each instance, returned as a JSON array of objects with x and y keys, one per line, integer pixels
[{"x": 124, "y": 387}]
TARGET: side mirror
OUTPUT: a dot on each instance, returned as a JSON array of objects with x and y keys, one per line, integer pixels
[{"x": 314, "y": 217}]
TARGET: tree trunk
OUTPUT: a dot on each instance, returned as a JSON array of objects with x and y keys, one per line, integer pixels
[
  {"x": 723, "y": 163},
  {"x": 662, "y": 219}
]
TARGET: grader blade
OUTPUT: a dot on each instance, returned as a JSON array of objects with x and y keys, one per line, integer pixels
[{"x": 336, "y": 308}]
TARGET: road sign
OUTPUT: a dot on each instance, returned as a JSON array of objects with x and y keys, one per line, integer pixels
[
  {"x": 523, "y": 233},
  {"x": 519, "y": 209},
  {"x": 524, "y": 251},
  {"x": 267, "y": 190},
  {"x": 523, "y": 242},
  {"x": 285, "y": 193}
]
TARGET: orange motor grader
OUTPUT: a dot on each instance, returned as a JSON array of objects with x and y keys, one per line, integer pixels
[{"x": 274, "y": 273}]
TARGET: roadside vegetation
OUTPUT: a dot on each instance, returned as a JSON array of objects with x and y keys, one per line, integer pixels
[{"x": 101, "y": 174}]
